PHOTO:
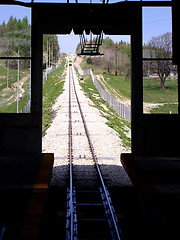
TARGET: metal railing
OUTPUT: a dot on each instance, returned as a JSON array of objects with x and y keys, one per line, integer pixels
[
  {"x": 123, "y": 110},
  {"x": 46, "y": 73},
  {"x": 27, "y": 107}
]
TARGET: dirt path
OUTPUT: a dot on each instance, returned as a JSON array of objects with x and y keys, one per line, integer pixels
[
  {"x": 147, "y": 107},
  {"x": 21, "y": 82},
  {"x": 112, "y": 91},
  {"x": 78, "y": 62},
  {"x": 9, "y": 94}
]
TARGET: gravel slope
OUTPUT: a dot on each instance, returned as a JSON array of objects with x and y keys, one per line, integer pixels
[{"x": 106, "y": 143}]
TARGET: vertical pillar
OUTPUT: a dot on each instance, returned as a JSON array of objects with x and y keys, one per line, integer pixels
[{"x": 136, "y": 79}]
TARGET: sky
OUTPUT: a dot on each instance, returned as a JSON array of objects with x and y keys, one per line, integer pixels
[
  {"x": 156, "y": 21},
  {"x": 68, "y": 43}
]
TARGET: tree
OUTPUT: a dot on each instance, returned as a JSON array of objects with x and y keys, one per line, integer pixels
[
  {"x": 124, "y": 64},
  {"x": 107, "y": 42},
  {"x": 161, "y": 47},
  {"x": 107, "y": 60},
  {"x": 54, "y": 48},
  {"x": 116, "y": 59}
]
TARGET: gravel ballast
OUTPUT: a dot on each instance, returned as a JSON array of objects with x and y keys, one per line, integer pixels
[{"x": 107, "y": 144}]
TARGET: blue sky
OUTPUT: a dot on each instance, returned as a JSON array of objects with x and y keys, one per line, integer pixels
[
  {"x": 84, "y": 1},
  {"x": 68, "y": 43},
  {"x": 156, "y": 21}
]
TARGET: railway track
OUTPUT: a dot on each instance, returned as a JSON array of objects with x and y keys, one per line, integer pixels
[{"x": 90, "y": 212}]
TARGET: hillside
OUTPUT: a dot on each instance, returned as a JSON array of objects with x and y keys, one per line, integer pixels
[
  {"x": 15, "y": 41},
  {"x": 113, "y": 71}
]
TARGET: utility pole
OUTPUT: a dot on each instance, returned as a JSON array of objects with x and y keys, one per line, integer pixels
[
  {"x": 52, "y": 53},
  {"x": 30, "y": 89},
  {"x": 8, "y": 67},
  {"x": 116, "y": 58},
  {"x": 7, "y": 73},
  {"x": 18, "y": 86},
  {"x": 47, "y": 59},
  {"x": 49, "y": 54}
]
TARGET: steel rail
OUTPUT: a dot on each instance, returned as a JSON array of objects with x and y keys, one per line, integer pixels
[
  {"x": 70, "y": 159},
  {"x": 97, "y": 166}
]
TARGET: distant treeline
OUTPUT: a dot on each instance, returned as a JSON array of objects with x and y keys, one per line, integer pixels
[
  {"x": 50, "y": 41},
  {"x": 15, "y": 37},
  {"x": 116, "y": 59}
]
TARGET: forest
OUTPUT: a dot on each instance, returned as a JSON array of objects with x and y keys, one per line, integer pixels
[
  {"x": 15, "y": 76},
  {"x": 116, "y": 59},
  {"x": 51, "y": 49},
  {"x": 15, "y": 36},
  {"x": 15, "y": 41}
]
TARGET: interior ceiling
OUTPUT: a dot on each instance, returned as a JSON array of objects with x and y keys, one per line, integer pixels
[
  {"x": 111, "y": 19},
  {"x": 22, "y": 2}
]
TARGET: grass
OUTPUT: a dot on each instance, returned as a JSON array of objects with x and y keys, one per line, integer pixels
[
  {"x": 114, "y": 121},
  {"x": 120, "y": 83},
  {"x": 8, "y": 95},
  {"x": 169, "y": 96},
  {"x": 153, "y": 94},
  {"x": 151, "y": 91},
  {"x": 95, "y": 69},
  {"x": 52, "y": 88},
  {"x": 166, "y": 108}
]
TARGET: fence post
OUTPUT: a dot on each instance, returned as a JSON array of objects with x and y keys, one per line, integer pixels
[{"x": 123, "y": 110}]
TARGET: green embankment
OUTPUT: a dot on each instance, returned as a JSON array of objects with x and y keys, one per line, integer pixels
[
  {"x": 121, "y": 126},
  {"x": 52, "y": 88},
  {"x": 120, "y": 83},
  {"x": 169, "y": 96},
  {"x": 151, "y": 91},
  {"x": 8, "y": 88}
]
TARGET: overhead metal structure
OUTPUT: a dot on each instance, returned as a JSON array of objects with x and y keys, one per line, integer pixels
[
  {"x": 29, "y": 2},
  {"x": 90, "y": 47}
]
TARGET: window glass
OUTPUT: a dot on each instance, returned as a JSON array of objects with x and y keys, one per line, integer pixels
[
  {"x": 157, "y": 1},
  {"x": 159, "y": 47},
  {"x": 160, "y": 80},
  {"x": 15, "y": 31},
  {"x": 15, "y": 86},
  {"x": 157, "y": 28},
  {"x": 160, "y": 87}
]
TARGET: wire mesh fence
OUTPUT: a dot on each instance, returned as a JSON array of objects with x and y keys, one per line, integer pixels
[
  {"x": 123, "y": 110},
  {"x": 27, "y": 107},
  {"x": 46, "y": 73}
]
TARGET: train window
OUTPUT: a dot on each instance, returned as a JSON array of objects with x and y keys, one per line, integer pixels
[
  {"x": 151, "y": 0},
  {"x": 15, "y": 59},
  {"x": 15, "y": 31},
  {"x": 156, "y": 21},
  {"x": 160, "y": 76},
  {"x": 160, "y": 87},
  {"x": 15, "y": 86},
  {"x": 156, "y": 0}
]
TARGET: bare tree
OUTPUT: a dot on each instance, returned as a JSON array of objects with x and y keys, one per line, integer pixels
[
  {"x": 124, "y": 65},
  {"x": 108, "y": 60},
  {"x": 160, "y": 48}
]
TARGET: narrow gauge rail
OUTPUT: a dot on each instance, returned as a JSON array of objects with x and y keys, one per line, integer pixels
[{"x": 104, "y": 224}]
